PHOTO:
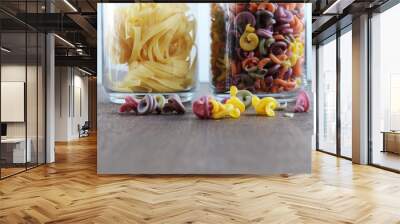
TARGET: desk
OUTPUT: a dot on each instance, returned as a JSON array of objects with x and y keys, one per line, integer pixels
[
  {"x": 16, "y": 147},
  {"x": 391, "y": 141}
]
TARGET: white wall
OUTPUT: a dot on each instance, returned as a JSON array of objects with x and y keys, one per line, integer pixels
[
  {"x": 204, "y": 43},
  {"x": 12, "y": 73},
  {"x": 33, "y": 127},
  {"x": 61, "y": 103},
  {"x": 71, "y": 102},
  {"x": 80, "y": 108}
]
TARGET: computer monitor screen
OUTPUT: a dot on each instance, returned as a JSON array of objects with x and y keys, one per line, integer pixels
[{"x": 3, "y": 129}]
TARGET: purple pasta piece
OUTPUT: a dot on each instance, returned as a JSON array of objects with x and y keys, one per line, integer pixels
[
  {"x": 241, "y": 54},
  {"x": 235, "y": 80},
  {"x": 279, "y": 12},
  {"x": 274, "y": 70},
  {"x": 278, "y": 47},
  {"x": 264, "y": 19},
  {"x": 145, "y": 105},
  {"x": 287, "y": 30},
  {"x": 288, "y": 74},
  {"x": 282, "y": 26},
  {"x": 283, "y": 16},
  {"x": 268, "y": 80},
  {"x": 244, "y": 18},
  {"x": 175, "y": 102},
  {"x": 264, "y": 33}
]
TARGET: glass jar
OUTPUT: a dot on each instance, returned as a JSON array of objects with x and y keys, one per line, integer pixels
[
  {"x": 259, "y": 47},
  {"x": 219, "y": 57},
  {"x": 148, "y": 48}
]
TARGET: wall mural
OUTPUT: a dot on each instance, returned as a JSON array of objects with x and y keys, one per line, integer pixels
[{"x": 254, "y": 116}]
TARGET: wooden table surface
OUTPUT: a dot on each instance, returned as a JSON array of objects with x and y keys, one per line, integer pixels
[{"x": 183, "y": 144}]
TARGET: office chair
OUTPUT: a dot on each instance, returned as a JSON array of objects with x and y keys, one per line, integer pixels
[{"x": 84, "y": 130}]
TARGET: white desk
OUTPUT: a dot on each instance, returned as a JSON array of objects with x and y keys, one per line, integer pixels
[
  {"x": 19, "y": 149},
  {"x": 391, "y": 141}
]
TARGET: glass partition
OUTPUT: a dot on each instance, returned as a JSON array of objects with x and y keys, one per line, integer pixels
[
  {"x": 327, "y": 96},
  {"x": 32, "y": 96},
  {"x": 22, "y": 77},
  {"x": 346, "y": 93},
  {"x": 14, "y": 153},
  {"x": 385, "y": 89}
]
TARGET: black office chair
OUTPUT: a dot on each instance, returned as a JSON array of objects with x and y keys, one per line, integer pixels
[{"x": 84, "y": 130}]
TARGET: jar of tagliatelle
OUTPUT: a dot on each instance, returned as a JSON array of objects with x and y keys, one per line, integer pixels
[
  {"x": 148, "y": 48},
  {"x": 259, "y": 47}
]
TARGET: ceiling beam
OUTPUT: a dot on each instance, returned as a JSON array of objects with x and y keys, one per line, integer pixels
[
  {"x": 84, "y": 24},
  {"x": 79, "y": 61}
]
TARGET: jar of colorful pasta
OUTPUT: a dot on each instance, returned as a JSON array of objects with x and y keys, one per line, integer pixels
[
  {"x": 263, "y": 48},
  {"x": 148, "y": 48}
]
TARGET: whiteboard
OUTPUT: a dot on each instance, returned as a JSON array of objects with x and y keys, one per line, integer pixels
[{"x": 12, "y": 101}]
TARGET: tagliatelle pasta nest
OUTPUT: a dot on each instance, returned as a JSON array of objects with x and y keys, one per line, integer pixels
[{"x": 157, "y": 42}]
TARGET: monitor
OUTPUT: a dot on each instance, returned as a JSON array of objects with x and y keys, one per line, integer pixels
[{"x": 3, "y": 129}]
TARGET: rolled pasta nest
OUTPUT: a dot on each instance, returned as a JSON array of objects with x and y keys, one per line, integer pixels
[{"x": 156, "y": 41}]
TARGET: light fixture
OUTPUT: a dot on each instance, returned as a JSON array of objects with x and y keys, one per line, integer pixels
[
  {"x": 84, "y": 71},
  {"x": 64, "y": 40},
  {"x": 80, "y": 51},
  {"x": 326, "y": 11},
  {"x": 337, "y": 7},
  {"x": 5, "y": 50},
  {"x": 70, "y": 5}
]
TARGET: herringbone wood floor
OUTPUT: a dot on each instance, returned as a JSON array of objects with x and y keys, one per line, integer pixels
[{"x": 69, "y": 191}]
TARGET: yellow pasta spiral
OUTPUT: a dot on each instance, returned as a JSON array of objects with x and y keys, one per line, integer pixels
[{"x": 156, "y": 41}]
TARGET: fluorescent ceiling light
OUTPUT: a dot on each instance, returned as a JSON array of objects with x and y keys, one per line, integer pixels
[
  {"x": 65, "y": 41},
  {"x": 331, "y": 7},
  {"x": 79, "y": 51},
  {"x": 84, "y": 71},
  {"x": 70, "y": 5},
  {"x": 337, "y": 7},
  {"x": 5, "y": 50}
]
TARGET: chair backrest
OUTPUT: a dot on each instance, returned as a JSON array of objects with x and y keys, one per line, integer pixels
[{"x": 86, "y": 125}]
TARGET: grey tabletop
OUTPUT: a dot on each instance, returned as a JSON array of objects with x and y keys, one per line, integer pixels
[{"x": 183, "y": 144}]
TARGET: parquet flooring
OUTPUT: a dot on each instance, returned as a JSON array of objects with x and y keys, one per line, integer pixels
[
  {"x": 70, "y": 191},
  {"x": 5, "y": 172}
]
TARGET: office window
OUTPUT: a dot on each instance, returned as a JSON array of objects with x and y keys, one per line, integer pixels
[
  {"x": 346, "y": 93},
  {"x": 327, "y": 96},
  {"x": 385, "y": 89}
]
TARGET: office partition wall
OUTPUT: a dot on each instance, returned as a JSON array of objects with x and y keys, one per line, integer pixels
[{"x": 22, "y": 77}]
